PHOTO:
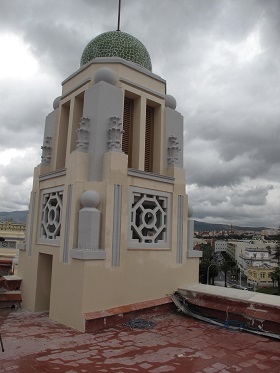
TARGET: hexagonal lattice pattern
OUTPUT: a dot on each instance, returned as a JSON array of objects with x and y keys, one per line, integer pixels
[
  {"x": 8, "y": 244},
  {"x": 149, "y": 218},
  {"x": 51, "y": 215},
  {"x": 117, "y": 44}
]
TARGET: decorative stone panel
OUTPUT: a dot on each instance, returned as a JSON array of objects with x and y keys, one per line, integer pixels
[
  {"x": 47, "y": 151},
  {"x": 51, "y": 210},
  {"x": 7, "y": 244},
  {"x": 149, "y": 218},
  {"x": 172, "y": 151},
  {"x": 115, "y": 134},
  {"x": 83, "y": 135}
]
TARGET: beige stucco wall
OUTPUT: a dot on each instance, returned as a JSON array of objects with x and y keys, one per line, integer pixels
[
  {"x": 124, "y": 70},
  {"x": 89, "y": 286}
]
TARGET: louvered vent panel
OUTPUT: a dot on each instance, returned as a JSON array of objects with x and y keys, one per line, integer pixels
[
  {"x": 126, "y": 124},
  {"x": 149, "y": 139}
]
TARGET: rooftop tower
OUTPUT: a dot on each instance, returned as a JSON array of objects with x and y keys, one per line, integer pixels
[{"x": 107, "y": 224}]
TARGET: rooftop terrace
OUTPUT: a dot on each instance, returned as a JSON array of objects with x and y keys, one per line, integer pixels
[{"x": 177, "y": 343}]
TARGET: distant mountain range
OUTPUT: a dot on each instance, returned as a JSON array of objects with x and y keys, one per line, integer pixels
[
  {"x": 21, "y": 216},
  {"x": 15, "y": 216},
  {"x": 200, "y": 226}
]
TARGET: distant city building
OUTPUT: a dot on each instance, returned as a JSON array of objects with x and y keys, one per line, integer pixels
[
  {"x": 254, "y": 258},
  {"x": 259, "y": 276},
  {"x": 270, "y": 232},
  {"x": 12, "y": 236},
  {"x": 257, "y": 264},
  {"x": 220, "y": 246}
]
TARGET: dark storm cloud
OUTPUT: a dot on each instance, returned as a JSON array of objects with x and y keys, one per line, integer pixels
[
  {"x": 19, "y": 172},
  {"x": 22, "y": 114},
  {"x": 243, "y": 207},
  {"x": 232, "y": 130},
  {"x": 254, "y": 196},
  {"x": 57, "y": 31},
  {"x": 221, "y": 61}
]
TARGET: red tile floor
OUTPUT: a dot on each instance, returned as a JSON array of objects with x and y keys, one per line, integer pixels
[{"x": 177, "y": 343}]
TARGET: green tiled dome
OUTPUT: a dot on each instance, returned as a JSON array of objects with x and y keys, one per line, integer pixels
[{"x": 117, "y": 44}]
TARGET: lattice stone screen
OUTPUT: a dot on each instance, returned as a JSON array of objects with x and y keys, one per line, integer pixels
[
  {"x": 51, "y": 214},
  {"x": 7, "y": 244},
  {"x": 149, "y": 218}
]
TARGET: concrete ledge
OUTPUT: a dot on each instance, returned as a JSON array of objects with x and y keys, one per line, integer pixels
[
  {"x": 256, "y": 310},
  {"x": 53, "y": 174},
  {"x": 10, "y": 299},
  {"x": 231, "y": 293},
  {"x": 12, "y": 282},
  {"x": 88, "y": 254},
  {"x": 150, "y": 176},
  {"x": 194, "y": 254},
  {"x": 119, "y": 315}
]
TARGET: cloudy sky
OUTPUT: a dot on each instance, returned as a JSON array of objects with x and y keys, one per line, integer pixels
[{"x": 221, "y": 61}]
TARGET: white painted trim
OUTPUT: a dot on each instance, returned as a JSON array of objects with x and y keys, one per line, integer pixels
[
  {"x": 74, "y": 89},
  {"x": 31, "y": 222},
  {"x": 67, "y": 223},
  {"x": 180, "y": 223},
  {"x": 51, "y": 175},
  {"x": 150, "y": 176},
  {"x": 115, "y": 60},
  {"x": 117, "y": 215},
  {"x": 141, "y": 87}
]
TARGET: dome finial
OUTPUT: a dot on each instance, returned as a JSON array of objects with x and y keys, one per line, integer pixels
[
  {"x": 119, "y": 16},
  {"x": 117, "y": 44}
]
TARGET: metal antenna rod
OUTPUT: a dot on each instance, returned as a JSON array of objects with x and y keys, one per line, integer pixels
[{"x": 119, "y": 15}]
